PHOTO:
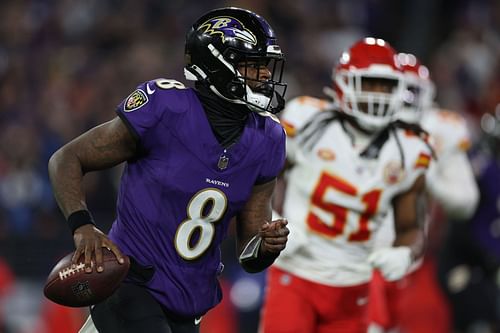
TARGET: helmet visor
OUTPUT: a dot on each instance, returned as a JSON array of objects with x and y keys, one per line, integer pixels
[{"x": 264, "y": 76}]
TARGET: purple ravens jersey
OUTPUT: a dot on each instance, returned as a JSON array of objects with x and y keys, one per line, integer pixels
[
  {"x": 485, "y": 223},
  {"x": 177, "y": 198}
]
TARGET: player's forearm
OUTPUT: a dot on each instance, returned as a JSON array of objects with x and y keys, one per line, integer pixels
[
  {"x": 265, "y": 247},
  {"x": 413, "y": 238},
  {"x": 457, "y": 202},
  {"x": 259, "y": 240},
  {"x": 258, "y": 264},
  {"x": 257, "y": 211},
  {"x": 409, "y": 218},
  {"x": 102, "y": 147},
  {"x": 66, "y": 176},
  {"x": 248, "y": 228},
  {"x": 250, "y": 254}
]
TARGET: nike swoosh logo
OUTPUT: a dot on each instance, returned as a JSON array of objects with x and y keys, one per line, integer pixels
[
  {"x": 150, "y": 91},
  {"x": 362, "y": 301},
  {"x": 197, "y": 320}
]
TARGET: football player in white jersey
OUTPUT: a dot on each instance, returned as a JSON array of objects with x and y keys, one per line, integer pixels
[
  {"x": 416, "y": 304},
  {"x": 349, "y": 166},
  {"x": 451, "y": 180}
]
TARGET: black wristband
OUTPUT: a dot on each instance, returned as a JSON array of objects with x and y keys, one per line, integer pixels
[
  {"x": 260, "y": 263},
  {"x": 253, "y": 260},
  {"x": 79, "y": 218}
]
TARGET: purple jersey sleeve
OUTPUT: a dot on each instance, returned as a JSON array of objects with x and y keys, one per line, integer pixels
[
  {"x": 139, "y": 111},
  {"x": 144, "y": 110}
]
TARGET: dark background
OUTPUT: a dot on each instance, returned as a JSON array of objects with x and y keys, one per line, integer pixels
[{"x": 65, "y": 65}]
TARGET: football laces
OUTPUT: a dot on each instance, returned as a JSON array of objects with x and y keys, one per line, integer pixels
[{"x": 68, "y": 271}]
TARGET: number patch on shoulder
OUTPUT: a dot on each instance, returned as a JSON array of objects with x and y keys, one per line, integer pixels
[
  {"x": 139, "y": 98},
  {"x": 169, "y": 84}
]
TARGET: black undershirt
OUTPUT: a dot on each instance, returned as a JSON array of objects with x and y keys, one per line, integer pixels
[{"x": 226, "y": 119}]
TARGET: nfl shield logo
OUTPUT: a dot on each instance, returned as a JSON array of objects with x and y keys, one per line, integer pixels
[{"x": 223, "y": 161}]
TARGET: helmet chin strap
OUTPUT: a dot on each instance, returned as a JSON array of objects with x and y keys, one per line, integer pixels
[
  {"x": 367, "y": 127},
  {"x": 194, "y": 73},
  {"x": 235, "y": 101},
  {"x": 330, "y": 93},
  {"x": 256, "y": 102}
]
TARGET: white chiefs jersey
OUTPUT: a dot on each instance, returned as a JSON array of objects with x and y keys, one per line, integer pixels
[
  {"x": 451, "y": 180},
  {"x": 335, "y": 199}
]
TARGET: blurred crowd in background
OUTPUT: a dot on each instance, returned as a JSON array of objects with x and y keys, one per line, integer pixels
[{"x": 66, "y": 64}]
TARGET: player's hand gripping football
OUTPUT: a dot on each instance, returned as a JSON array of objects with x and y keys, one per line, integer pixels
[
  {"x": 393, "y": 262},
  {"x": 89, "y": 241},
  {"x": 274, "y": 236}
]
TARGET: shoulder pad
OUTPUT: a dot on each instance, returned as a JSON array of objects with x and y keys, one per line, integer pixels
[{"x": 299, "y": 111}]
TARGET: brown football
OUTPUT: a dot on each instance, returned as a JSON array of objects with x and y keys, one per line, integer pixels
[{"x": 73, "y": 287}]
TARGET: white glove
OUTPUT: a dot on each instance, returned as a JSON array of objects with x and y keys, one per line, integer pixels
[{"x": 393, "y": 262}]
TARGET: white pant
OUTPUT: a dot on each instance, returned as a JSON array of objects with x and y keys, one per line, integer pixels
[{"x": 88, "y": 327}]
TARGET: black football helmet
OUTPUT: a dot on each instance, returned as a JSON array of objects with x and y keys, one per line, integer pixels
[{"x": 226, "y": 38}]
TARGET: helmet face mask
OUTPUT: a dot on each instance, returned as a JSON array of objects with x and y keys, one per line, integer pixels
[
  {"x": 373, "y": 108},
  {"x": 420, "y": 91},
  {"x": 368, "y": 83},
  {"x": 223, "y": 50},
  {"x": 261, "y": 79}
]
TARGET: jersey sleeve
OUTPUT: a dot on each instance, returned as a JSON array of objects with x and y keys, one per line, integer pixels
[
  {"x": 141, "y": 111},
  {"x": 275, "y": 160},
  {"x": 418, "y": 158},
  {"x": 451, "y": 181},
  {"x": 448, "y": 130},
  {"x": 297, "y": 113}
]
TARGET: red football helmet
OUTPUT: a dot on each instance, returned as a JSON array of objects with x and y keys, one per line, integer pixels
[
  {"x": 420, "y": 89},
  {"x": 369, "y": 63}
]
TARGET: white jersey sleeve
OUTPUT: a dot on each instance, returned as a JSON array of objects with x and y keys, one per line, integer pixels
[
  {"x": 297, "y": 113},
  {"x": 451, "y": 180},
  {"x": 448, "y": 131},
  {"x": 418, "y": 157}
]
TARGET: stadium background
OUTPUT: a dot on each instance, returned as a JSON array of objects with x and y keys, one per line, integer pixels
[{"x": 66, "y": 64}]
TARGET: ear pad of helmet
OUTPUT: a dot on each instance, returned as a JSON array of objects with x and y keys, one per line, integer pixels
[{"x": 236, "y": 88}]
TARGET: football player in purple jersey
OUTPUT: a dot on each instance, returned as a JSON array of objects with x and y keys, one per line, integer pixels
[{"x": 195, "y": 159}]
